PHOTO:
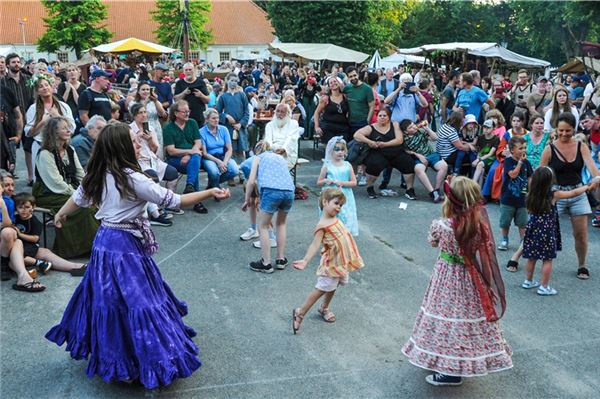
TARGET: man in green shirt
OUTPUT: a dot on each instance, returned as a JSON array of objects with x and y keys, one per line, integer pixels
[{"x": 360, "y": 101}]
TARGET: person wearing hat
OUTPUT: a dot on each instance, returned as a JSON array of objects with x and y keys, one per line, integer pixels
[
  {"x": 162, "y": 89},
  {"x": 486, "y": 145},
  {"x": 537, "y": 101},
  {"x": 469, "y": 132},
  {"x": 94, "y": 100}
]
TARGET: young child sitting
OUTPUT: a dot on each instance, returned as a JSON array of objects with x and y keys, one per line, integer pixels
[
  {"x": 29, "y": 228},
  {"x": 517, "y": 171},
  {"x": 487, "y": 144}
]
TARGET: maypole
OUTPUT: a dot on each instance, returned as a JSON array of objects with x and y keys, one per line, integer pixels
[{"x": 184, "y": 8}]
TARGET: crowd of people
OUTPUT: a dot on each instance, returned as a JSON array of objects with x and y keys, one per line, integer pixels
[{"x": 97, "y": 152}]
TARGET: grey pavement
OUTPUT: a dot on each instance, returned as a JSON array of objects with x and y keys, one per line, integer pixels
[{"x": 243, "y": 318}]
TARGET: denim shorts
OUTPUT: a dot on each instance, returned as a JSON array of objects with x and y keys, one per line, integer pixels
[
  {"x": 508, "y": 213},
  {"x": 273, "y": 200},
  {"x": 432, "y": 159},
  {"x": 576, "y": 206}
]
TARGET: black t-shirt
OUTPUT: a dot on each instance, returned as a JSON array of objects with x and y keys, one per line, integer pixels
[
  {"x": 8, "y": 103},
  {"x": 95, "y": 103},
  {"x": 62, "y": 88},
  {"x": 514, "y": 191},
  {"x": 31, "y": 226},
  {"x": 197, "y": 106}
]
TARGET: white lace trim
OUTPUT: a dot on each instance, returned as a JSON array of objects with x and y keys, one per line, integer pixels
[
  {"x": 503, "y": 352},
  {"x": 480, "y": 319}
]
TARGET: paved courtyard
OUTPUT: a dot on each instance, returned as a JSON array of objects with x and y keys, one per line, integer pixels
[{"x": 243, "y": 318}]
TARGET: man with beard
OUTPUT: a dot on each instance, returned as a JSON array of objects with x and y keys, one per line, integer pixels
[
  {"x": 193, "y": 90},
  {"x": 16, "y": 81},
  {"x": 360, "y": 101},
  {"x": 234, "y": 115},
  {"x": 94, "y": 100},
  {"x": 537, "y": 101},
  {"x": 162, "y": 89}
]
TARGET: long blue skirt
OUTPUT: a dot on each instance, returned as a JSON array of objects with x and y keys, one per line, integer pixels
[{"x": 125, "y": 318}]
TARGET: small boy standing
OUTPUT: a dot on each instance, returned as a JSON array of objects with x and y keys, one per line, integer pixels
[{"x": 517, "y": 172}]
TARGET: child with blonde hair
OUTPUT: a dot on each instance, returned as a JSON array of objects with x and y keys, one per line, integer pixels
[
  {"x": 339, "y": 257},
  {"x": 338, "y": 173},
  {"x": 457, "y": 333}
]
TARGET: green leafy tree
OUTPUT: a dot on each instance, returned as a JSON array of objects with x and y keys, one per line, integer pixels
[
  {"x": 74, "y": 25},
  {"x": 169, "y": 15},
  {"x": 358, "y": 25}
]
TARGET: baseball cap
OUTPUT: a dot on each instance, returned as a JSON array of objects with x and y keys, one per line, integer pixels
[
  {"x": 161, "y": 66},
  {"x": 99, "y": 72},
  {"x": 249, "y": 89},
  {"x": 542, "y": 79},
  {"x": 469, "y": 118},
  {"x": 576, "y": 79},
  {"x": 489, "y": 123}
]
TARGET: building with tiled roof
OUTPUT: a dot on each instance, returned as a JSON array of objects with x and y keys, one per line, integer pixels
[{"x": 240, "y": 28}]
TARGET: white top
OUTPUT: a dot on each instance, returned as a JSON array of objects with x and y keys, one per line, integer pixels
[
  {"x": 149, "y": 159},
  {"x": 114, "y": 209},
  {"x": 46, "y": 167},
  {"x": 285, "y": 137},
  {"x": 30, "y": 117},
  {"x": 548, "y": 118}
]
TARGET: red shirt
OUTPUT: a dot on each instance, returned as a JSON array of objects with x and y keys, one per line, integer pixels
[{"x": 595, "y": 134}]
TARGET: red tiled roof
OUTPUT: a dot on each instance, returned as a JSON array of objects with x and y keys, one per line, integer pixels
[{"x": 231, "y": 21}]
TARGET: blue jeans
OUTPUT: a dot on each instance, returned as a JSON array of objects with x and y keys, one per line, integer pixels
[
  {"x": 191, "y": 170},
  {"x": 460, "y": 155},
  {"x": 246, "y": 166},
  {"x": 215, "y": 177},
  {"x": 489, "y": 180}
]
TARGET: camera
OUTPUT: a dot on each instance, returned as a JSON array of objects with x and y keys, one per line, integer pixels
[{"x": 408, "y": 87}]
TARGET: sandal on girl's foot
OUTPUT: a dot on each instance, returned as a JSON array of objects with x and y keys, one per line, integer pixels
[
  {"x": 583, "y": 273},
  {"x": 327, "y": 315},
  {"x": 296, "y": 320},
  {"x": 32, "y": 286},
  {"x": 512, "y": 266},
  {"x": 79, "y": 272}
]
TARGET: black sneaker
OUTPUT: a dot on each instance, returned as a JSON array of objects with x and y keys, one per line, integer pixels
[
  {"x": 43, "y": 266},
  {"x": 435, "y": 196},
  {"x": 281, "y": 264},
  {"x": 189, "y": 188},
  {"x": 160, "y": 220},
  {"x": 440, "y": 379},
  {"x": 174, "y": 211},
  {"x": 410, "y": 194},
  {"x": 200, "y": 208},
  {"x": 403, "y": 185},
  {"x": 258, "y": 266},
  {"x": 371, "y": 192}
]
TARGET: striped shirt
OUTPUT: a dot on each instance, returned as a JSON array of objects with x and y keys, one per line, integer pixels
[{"x": 446, "y": 135}]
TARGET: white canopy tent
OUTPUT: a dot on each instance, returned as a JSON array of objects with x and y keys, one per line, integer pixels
[
  {"x": 375, "y": 62},
  {"x": 489, "y": 50},
  {"x": 317, "y": 52},
  {"x": 392, "y": 61}
]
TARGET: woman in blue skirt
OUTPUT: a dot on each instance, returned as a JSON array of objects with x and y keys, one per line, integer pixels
[{"x": 123, "y": 316}]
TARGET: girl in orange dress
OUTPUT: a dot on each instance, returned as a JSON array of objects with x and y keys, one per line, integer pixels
[{"x": 339, "y": 257}]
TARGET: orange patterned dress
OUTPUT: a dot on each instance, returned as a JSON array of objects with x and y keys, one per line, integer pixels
[{"x": 339, "y": 255}]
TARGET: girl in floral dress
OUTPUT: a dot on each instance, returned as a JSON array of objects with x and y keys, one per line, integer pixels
[
  {"x": 542, "y": 237},
  {"x": 339, "y": 173},
  {"x": 339, "y": 257},
  {"x": 457, "y": 333}
]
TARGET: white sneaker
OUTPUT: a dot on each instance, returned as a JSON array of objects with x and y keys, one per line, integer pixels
[
  {"x": 249, "y": 234},
  {"x": 256, "y": 244},
  {"x": 362, "y": 181}
]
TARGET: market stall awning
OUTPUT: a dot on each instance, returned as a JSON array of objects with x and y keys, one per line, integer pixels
[
  {"x": 392, "y": 61},
  {"x": 488, "y": 50},
  {"x": 575, "y": 65},
  {"x": 132, "y": 44},
  {"x": 317, "y": 52}
]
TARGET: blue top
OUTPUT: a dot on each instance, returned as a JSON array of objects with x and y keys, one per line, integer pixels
[
  {"x": 236, "y": 105},
  {"x": 405, "y": 107},
  {"x": 215, "y": 145},
  {"x": 472, "y": 100},
  {"x": 514, "y": 191},
  {"x": 163, "y": 91},
  {"x": 212, "y": 99},
  {"x": 273, "y": 172},
  {"x": 10, "y": 207}
]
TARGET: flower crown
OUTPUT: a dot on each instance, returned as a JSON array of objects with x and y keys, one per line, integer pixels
[{"x": 37, "y": 78}]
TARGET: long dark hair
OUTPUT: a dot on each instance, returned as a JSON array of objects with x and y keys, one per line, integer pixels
[
  {"x": 49, "y": 132},
  {"x": 556, "y": 111},
  {"x": 39, "y": 103},
  {"x": 539, "y": 200},
  {"x": 113, "y": 153}
]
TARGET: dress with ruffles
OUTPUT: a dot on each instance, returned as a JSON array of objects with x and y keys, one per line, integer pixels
[
  {"x": 339, "y": 255},
  {"x": 348, "y": 212},
  {"x": 451, "y": 334},
  {"x": 123, "y": 316}
]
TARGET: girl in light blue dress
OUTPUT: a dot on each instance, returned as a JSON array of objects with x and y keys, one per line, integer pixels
[{"x": 336, "y": 172}]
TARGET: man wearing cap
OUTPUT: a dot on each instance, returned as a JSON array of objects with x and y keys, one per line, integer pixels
[
  {"x": 576, "y": 92},
  {"x": 162, "y": 89},
  {"x": 537, "y": 101},
  {"x": 93, "y": 100}
]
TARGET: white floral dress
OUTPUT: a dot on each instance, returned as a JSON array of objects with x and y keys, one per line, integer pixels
[{"x": 451, "y": 334}]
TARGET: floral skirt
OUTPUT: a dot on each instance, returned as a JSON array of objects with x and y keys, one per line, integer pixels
[
  {"x": 451, "y": 335},
  {"x": 125, "y": 318}
]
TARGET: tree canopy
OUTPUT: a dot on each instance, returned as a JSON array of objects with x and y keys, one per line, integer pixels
[
  {"x": 169, "y": 16},
  {"x": 74, "y": 25},
  {"x": 541, "y": 29}
]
